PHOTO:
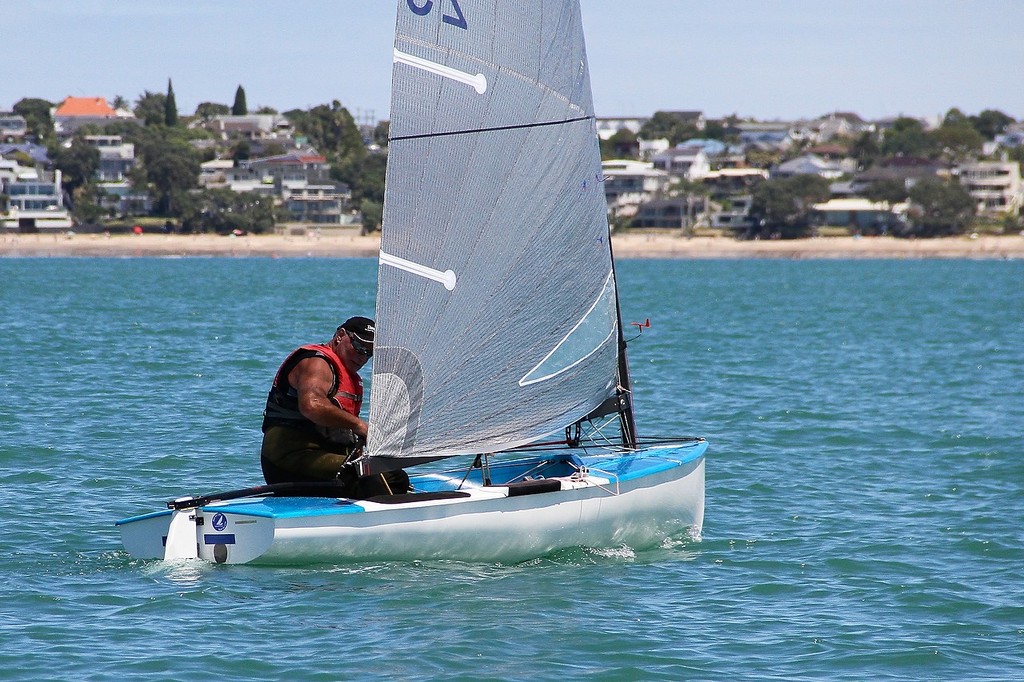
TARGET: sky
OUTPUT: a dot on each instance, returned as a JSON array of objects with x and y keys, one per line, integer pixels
[{"x": 785, "y": 59}]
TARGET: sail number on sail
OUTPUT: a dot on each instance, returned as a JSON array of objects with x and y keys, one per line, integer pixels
[{"x": 458, "y": 20}]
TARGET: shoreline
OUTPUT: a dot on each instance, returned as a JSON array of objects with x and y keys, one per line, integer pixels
[{"x": 628, "y": 246}]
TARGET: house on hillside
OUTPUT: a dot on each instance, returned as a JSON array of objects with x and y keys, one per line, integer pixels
[
  {"x": 812, "y": 164},
  {"x": 249, "y": 127},
  {"x": 691, "y": 118},
  {"x": 27, "y": 150},
  {"x": 75, "y": 112},
  {"x": 13, "y": 127},
  {"x": 607, "y": 126},
  {"x": 906, "y": 169},
  {"x": 117, "y": 157},
  {"x": 770, "y": 136},
  {"x": 840, "y": 124},
  {"x": 690, "y": 163},
  {"x": 1012, "y": 136}
]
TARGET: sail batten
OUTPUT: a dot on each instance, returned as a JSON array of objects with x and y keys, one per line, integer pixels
[{"x": 502, "y": 189}]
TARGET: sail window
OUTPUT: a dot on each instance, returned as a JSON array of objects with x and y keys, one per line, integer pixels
[{"x": 595, "y": 328}]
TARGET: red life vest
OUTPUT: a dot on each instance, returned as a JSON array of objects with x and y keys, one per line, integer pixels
[{"x": 283, "y": 400}]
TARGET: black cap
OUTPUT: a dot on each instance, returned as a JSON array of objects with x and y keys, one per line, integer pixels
[{"x": 361, "y": 327}]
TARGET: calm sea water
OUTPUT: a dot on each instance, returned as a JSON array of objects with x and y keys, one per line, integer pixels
[{"x": 865, "y": 486}]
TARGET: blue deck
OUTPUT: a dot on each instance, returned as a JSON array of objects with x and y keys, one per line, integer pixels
[{"x": 622, "y": 466}]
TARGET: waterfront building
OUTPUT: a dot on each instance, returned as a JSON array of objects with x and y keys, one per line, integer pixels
[
  {"x": 35, "y": 203},
  {"x": 861, "y": 216},
  {"x": 994, "y": 185},
  {"x": 628, "y": 183}
]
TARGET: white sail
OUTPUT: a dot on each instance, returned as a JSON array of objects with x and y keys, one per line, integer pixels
[{"x": 496, "y": 308}]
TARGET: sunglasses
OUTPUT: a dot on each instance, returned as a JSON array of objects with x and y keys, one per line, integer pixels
[{"x": 359, "y": 345}]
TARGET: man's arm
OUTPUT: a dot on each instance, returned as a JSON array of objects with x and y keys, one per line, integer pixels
[{"x": 313, "y": 380}]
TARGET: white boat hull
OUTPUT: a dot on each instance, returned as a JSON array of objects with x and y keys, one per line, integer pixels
[{"x": 637, "y": 506}]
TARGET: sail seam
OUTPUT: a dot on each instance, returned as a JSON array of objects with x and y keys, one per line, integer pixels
[{"x": 520, "y": 126}]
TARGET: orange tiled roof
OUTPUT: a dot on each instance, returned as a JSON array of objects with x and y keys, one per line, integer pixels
[{"x": 85, "y": 106}]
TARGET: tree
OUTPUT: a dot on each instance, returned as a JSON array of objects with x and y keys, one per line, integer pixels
[
  {"x": 151, "y": 108},
  {"x": 170, "y": 167},
  {"x": 170, "y": 107},
  {"x": 332, "y": 130},
  {"x": 668, "y": 125},
  {"x": 782, "y": 207},
  {"x": 622, "y": 145},
  {"x": 239, "y": 108},
  {"x": 77, "y": 163},
  {"x": 907, "y": 137},
  {"x": 865, "y": 149},
  {"x": 373, "y": 212},
  {"x": 207, "y": 110},
  {"x": 958, "y": 139},
  {"x": 119, "y": 102},
  {"x": 87, "y": 206},
  {"x": 224, "y": 211},
  {"x": 890, "y": 191},
  {"x": 940, "y": 207},
  {"x": 990, "y": 123},
  {"x": 242, "y": 151},
  {"x": 36, "y": 113}
]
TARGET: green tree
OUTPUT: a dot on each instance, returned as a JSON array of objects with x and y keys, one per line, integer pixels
[
  {"x": 373, "y": 213},
  {"x": 940, "y": 208},
  {"x": 783, "y": 206},
  {"x": 381, "y": 132},
  {"x": 891, "y": 191},
  {"x": 990, "y": 123},
  {"x": 151, "y": 108},
  {"x": 169, "y": 168},
  {"x": 958, "y": 139},
  {"x": 622, "y": 145},
  {"x": 36, "y": 113},
  {"x": 239, "y": 108},
  {"x": 365, "y": 178},
  {"x": 119, "y": 102},
  {"x": 170, "y": 107},
  {"x": 77, "y": 163},
  {"x": 87, "y": 203},
  {"x": 332, "y": 130},
  {"x": 242, "y": 151},
  {"x": 224, "y": 211},
  {"x": 668, "y": 125},
  {"x": 865, "y": 150},
  {"x": 907, "y": 137},
  {"x": 207, "y": 110}
]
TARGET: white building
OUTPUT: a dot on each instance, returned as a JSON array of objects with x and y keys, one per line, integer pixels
[
  {"x": 628, "y": 183},
  {"x": 35, "y": 204},
  {"x": 690, "y": 163},
  {"x": 995, "y": 185}
]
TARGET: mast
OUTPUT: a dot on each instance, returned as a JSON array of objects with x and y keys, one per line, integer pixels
[{"x": 625, "y": 387}]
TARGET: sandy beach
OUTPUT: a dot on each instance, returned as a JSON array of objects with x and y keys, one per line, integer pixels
[{"x": 642, "y": 245}]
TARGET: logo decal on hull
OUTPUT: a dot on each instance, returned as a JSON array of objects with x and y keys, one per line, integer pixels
[{"x": 220, "y": 522}]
